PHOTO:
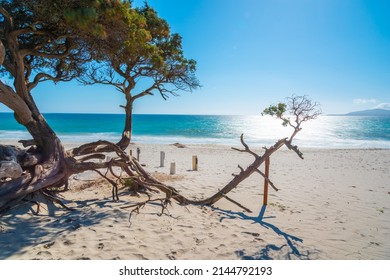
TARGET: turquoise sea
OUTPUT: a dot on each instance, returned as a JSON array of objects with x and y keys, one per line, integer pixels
[{"x": 326, "y": 131}]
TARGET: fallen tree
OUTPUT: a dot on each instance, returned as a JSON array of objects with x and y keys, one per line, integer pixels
[
  {"x": 42, "y": 42},
  {"x": 84, "y": 158}
]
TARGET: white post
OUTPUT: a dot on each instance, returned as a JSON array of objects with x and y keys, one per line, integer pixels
[
  {"x": 162, "y": 158},
  {"x": 194, "y": 163},
  {"x": 173, "y": 168}
]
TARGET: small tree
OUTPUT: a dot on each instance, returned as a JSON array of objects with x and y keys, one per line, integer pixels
[
  {"x": 300, "y": 109},
  {"x": 151, "y": 54}
]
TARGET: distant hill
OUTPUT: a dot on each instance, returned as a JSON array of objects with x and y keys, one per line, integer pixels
[{"x": 372, "y": 112}]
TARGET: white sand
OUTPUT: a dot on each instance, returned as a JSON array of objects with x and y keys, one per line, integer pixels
[{"x": 334, "y": 204}]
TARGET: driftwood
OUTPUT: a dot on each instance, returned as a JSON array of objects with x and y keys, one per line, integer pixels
[
  {"x": 27, "y": 143},
  {"x": 25, "y": 158},
  {"x": 9, "y": 166},
  {"x": 9, "y": 153},
  {"x": 10, "y": 170}
]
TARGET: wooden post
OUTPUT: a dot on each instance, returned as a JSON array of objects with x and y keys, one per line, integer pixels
[
  {"x": 194, "y": 163},
  {"x": 131, "y": 152},
  {"x": 265, "y": 197},
  {"x": 138, "y": 152},
  {"x": 173, "y": 168},
  {"x": 162, "y": 158}
]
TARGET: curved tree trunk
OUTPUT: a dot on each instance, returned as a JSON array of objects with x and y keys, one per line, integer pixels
[
  {"x": 127, "y": 131},
  {"x": 2, "y": 53},
  {"x": 51, "y": 171}
]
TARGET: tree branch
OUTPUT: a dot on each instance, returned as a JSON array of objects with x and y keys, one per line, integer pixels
[
  {"x": 7, "y": 17},
  {"x": 294, "y": 148},
  {"x": 235, "y": 202},
  {"x": 268, "y": 180},
  {"x": 247, "y": 150}
]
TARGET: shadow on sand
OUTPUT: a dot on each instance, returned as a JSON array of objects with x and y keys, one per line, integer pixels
[
  {"x": 20, "y": 229},
  {"x": 290, "y": 248}
]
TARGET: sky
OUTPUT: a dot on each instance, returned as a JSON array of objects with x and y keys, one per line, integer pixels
[{"x": 253, "y": 53}]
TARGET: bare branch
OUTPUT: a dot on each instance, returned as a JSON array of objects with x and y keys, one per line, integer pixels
[
  {"x": 247, "y": 150},
  {"x": 236, "y": 203},
  {"x": 148, "y": 91},
  {"x": 268, "y": 180},
  {"x": 41, "y": 77},
  {"x": 294, "y": 148},
  {"x": 303, "y": 109},
  {"x": 93, "y": 156},
  {"x": 115, "y": 196},
  {"x": 7, "y": 16}
]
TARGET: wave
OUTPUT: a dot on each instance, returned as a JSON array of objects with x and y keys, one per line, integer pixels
[
  {"x": 14, "y": 134},
  {"x": 325, "y": 142},
  {"x": 325, "y": 132}
]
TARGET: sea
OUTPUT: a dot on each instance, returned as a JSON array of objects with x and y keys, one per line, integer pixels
[{"x": 323, "y": 132}]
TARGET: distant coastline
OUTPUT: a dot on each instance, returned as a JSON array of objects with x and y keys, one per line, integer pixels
[{"x": 368, "y": 113}]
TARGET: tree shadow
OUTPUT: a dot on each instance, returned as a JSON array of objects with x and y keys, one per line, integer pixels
[
  {"x": 20, "y": 228},
  {"x": 266, "y": 253}
]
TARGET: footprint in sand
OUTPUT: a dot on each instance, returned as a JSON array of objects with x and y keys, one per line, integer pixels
[
  {"x": 100, "y": 246},
  {"x": 44, "y": 254},
  {"x": 198, "y": 241},
  {"x": 48, "y": 245},
  {"x": 140, "y": 256},
  {"x": 172, "y": 256},
  {"x": 255, "y": 234},
  {"x": 68, "y": 242}
]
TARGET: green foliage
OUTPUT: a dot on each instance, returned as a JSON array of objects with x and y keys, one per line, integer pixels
[
  {"x": 82, "y": 17},
  {"x": 58, "y": 38},
  {"x": 128, "y": 182},
  {"x": 51, "y": 37},
  {"x": 299, "y": 108},
  {"x": 277, "y": 111},
  {"x": 142, "y": 46}
]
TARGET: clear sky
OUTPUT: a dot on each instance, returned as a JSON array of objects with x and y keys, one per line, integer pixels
[{"x": 252, "y": 53}]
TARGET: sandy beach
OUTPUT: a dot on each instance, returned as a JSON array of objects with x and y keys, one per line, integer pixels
[{"x": 334, "y": 204}]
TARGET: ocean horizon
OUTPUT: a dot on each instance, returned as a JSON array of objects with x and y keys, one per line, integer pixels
[{"x": 324, "y": 132}]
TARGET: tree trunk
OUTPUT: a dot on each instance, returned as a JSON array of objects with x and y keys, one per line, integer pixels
[
  {"x": 46, "y": 140},
  {"x": 52, "y": 172},
  {"x": 2, "y": 53},
  {"x": 127, "y": 131}
]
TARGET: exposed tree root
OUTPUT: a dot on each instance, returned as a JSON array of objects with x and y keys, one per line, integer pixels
[{"x": 45, "y": 176}]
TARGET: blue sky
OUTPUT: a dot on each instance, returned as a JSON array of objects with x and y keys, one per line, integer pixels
[{"x": 252, "y": 53}]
